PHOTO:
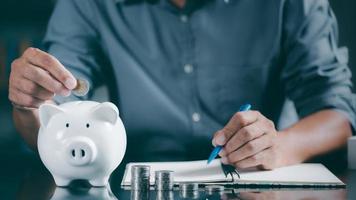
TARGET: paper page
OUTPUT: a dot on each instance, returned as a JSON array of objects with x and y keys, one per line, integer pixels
[
  {"x": 199, "y": 171},
  {"x": 192, "y": 171},
  {"x": 301, "y": 173}
]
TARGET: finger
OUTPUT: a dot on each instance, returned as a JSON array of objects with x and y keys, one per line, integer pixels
[
  {"x": 33, "y": 89},
  {"x": 23, "y": 99},
  {"x": 252, "y": 161},
  {"x": 265, "y": 160},
  {"x": 29, "y": 87},
  {"x": 244, "y": 135},
  {"x": 251, "y": 148},
  {"x": 222, "y": 153},
  {"x": 270, "y": 160},
  {"x": 239, "y": 120},
  {"x": 52, "y": 65},
  {"x": 44, "y": 79}
]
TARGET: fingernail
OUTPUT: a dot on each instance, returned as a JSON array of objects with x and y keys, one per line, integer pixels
[
  {"x": 224, "y": 160},
  {"x": 70, "y": 83},
  {"x": 220, "y": 139},
  {"x": 222, "y": 153},
  {"x": 213, "y": 142}
]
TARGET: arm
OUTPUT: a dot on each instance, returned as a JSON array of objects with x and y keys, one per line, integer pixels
[
  {"x": 34, "y": 79},
  {"x": 71, "y": 42},
  {"x": 316, "y": 78},
  {"x": 316, "y": 75},
  {"x": 27, "y": 124},
  {"x": 317, "y": 134}
]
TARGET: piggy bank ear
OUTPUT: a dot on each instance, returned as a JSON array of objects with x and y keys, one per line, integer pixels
[
  {"x": 107, "y": 112},
  {"x": 46, "y": 112}
]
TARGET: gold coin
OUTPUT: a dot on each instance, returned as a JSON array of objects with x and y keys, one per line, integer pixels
[{"x": 82, "y": 87}]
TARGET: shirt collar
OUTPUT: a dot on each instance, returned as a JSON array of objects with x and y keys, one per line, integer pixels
[
  {"x": 122, "y": 1},
  {"x": 191, "y": 5},
  {"x": 133, "y": 1}
]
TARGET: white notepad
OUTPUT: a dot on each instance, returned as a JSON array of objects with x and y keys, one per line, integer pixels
[{"x": 306, "y": 174}]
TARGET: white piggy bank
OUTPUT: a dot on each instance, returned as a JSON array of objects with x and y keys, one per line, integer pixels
[{"x": 81, "y": 140}]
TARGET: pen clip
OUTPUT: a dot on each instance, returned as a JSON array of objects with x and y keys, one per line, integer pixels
[{"x": 230, "y": 170}]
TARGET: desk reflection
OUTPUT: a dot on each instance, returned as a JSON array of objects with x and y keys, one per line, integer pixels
[
  {"x": 38, "y": 184},
  {"x": 239, "y": 194},
  {"x": 285, "y": 194},
  {"x": 93, "y": 193}
]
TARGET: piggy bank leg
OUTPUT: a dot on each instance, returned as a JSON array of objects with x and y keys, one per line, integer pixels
[
  {"x": 60, "y": 181},
  {"x": 100, "y": 181}
]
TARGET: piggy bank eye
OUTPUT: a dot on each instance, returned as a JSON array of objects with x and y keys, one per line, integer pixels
[
  {"x": 67, "y": 125},
  {"x": 88, "y": 125}
]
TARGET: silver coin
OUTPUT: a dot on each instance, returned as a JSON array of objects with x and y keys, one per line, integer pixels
[
  {"x": 164, "y": 195},
  {"x": 140, "y": 194},
  {"x": 164, "y": 180},
  {"x": 189, "y": 190},
  {"x": 211, "y": 189},
  {"x": 189, "y": 186},
  {"x": 141, "y": 169},
  {"x": 82, "y": 87}
]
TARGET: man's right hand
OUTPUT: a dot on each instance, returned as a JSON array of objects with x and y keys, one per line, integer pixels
[{"x": 36, "y": 76}]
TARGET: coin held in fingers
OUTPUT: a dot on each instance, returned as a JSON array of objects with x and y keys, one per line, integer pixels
[{"x": 82, "y": 87}]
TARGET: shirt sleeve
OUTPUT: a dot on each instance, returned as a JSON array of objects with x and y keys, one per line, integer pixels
[
  {"x": 315, "y": 74},
  {"x": 72, "y": 38}
]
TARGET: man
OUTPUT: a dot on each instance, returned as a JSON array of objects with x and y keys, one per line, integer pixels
[{"x": 181, "y": 69}]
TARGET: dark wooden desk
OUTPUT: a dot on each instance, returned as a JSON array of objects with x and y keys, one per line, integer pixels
[{"x": 30, "y": 180}]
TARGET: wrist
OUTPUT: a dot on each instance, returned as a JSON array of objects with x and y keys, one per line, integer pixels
[
  {"x": 27, "y": 125},
  {"x": 22, "y": 108},
  {"x": 291, "y": 149}
]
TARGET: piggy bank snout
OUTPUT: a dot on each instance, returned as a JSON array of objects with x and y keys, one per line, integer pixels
[{"x": 80, "y": 151}]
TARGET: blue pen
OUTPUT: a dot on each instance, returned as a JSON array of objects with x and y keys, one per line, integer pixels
[{"x": 218, "y": 148}]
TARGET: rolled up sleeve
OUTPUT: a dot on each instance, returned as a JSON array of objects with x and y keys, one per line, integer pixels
[
  {"x": 316, "y": 75},
  {"x": 71, "y": 37}
]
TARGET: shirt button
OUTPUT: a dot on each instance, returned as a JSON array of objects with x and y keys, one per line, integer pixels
[
  {"x": 184, "y": 18},
  {"x": 196, "y": 117},
  {"x": 188, "y": 68}
]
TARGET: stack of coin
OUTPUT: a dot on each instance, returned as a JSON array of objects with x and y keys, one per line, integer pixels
[
  {"x": 140, "y": 177},
  {"x": 189, "y": 190},
  {"x": 164, "y": 180}
]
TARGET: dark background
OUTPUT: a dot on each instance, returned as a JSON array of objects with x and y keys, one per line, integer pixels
[{"x": 23, "y": 23}]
